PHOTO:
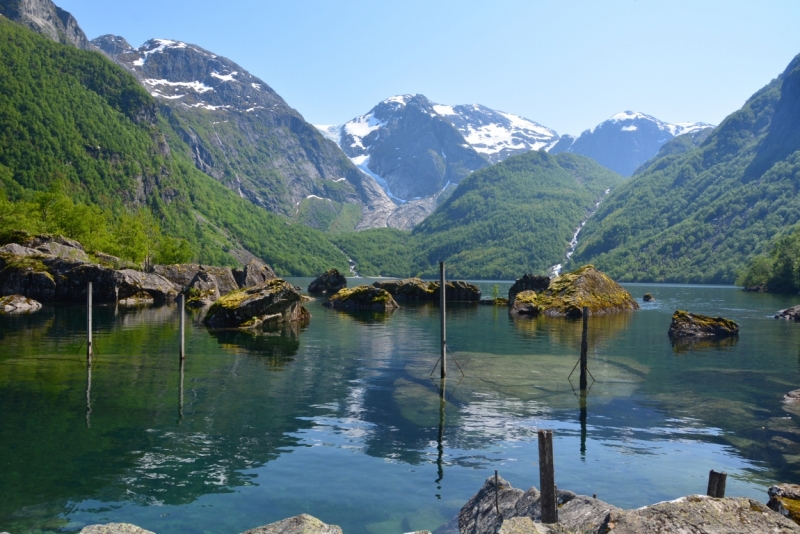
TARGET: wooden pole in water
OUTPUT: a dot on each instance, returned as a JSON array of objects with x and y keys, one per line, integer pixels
[
  {"x": 89, "y": 350},
  {"x": 442, "y": 304},
  {"x": 547, "y": 477},
  {"x": 181, "y": 311},
  {"x": 584, "y": 348},
  {"x": 716, "y": 484}
]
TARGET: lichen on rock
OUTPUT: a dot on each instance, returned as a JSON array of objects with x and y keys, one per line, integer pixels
[
  {"x": 692, "y": 325},
  {"x": 362, "y": 298},
  {"x": 272, "y": 302},
  {"x": 18, "y": 304}
]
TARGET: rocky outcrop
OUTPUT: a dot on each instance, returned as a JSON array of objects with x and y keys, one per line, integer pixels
[
  {"x": 273, "y": 302},
  {"x": 44, "y": 17},
  {"x": 701, "y": 515},
  {"x": 114, "y": 528},
  {"x": 202, "y": 290},
  {"x": 416, "y": 290},
  {"x": 790, "y": 314},
  {"x": 182, "y": 275},
  {"x": 785, "y": 499},
  {"x": 328, "y": 283},
  {"x": 362, "y": 298},
  {"x": 301, "y": 524},
  {"x": 131, "y": 283},
  {"x": 528, "y": 282},
  {"x": 569, "y": 293},
  {"x": 253, "y": 274},
  {"x": 479, "y": 515},
  {"x": 18, "y": 304},
  {"x": 692, "y": 325}
]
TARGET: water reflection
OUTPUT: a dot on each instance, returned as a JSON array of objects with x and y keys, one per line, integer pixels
[{"x": 683, "y": 345}]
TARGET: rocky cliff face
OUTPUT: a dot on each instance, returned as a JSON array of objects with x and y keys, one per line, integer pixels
[
  {"x": 43, "y": 16},
  {"x": 245, "y": 135},
  {"x": 625, "y": 141}
]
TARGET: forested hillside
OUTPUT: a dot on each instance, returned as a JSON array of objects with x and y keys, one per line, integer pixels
[
  {"x": 699, "y": 216},
  {"x": 514, "y": 217},
  {"x": 74, "y": 119}
]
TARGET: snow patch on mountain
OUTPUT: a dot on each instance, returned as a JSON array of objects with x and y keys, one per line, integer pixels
[{"x": 360, "y": 127}]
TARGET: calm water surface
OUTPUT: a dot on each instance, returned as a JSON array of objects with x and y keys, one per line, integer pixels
[{"x": 342, "y": 420}]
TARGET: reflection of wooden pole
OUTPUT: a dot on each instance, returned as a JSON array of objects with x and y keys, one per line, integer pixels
[
  {"x": 180, "y": 399},
  {"x": 182, "y": 300},
  {"x": 583, "y": 424},
  {"x": 584, "y": 348},
  {"x": 440, "y": 437},
  {"x": 442, "y": 304},
  {"x": 89, "y": 322},
  {"x": 547, "y": 477},
  {"x": 89, "y": 395},
  {"x": 716, "y": 484}
]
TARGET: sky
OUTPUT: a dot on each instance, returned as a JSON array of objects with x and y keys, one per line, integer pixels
[{"x": 568, "y": 65}]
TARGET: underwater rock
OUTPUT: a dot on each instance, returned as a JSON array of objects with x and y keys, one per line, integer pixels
[
  {"x": 362, "y": 298},
  {"x": 328, "y": 283},
  {"x": 114, "y": 528},
  {"x": 272, "y": 302},
  {"x": 18, "y": 304},
  {"x": 301, "y": 524},
  {"x": 567, "y": 295},
  {"x": 528, "y": 282},
  {"x": 685, "y": 324},
  {"x": 785, "y": 499},
  {"x": 648, "y": 297}
]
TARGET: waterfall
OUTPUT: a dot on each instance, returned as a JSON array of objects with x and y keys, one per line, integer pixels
[{"x": 555, "y": 270}]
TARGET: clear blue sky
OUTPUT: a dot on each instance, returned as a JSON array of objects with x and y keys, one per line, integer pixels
[{"x": 566, "y": 64}]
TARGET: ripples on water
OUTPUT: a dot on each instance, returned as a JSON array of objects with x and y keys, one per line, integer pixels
[{"x": 342, "y": 420}]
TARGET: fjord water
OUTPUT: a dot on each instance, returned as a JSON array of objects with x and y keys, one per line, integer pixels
[{"x": 341, "y": 420}]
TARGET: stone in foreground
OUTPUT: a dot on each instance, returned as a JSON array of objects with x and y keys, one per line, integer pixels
[
  {"x": 275, "y": 301},
  {"x": 568, "y": 294},
  {"x": 301, "y": 524},
  {"x": 328, "y": 283},
  {"x": 19, "y": 304},
  {"x": 362, "y": 298},
  {"x": 785, "y": 499},
  {"x": 692, "y": 325},
  {"x": 701, "y": 515},
  {"x": 115, "y": 528}
]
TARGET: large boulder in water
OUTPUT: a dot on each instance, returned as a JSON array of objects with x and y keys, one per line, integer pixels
[
  {"x": 569, "y": 293},
  {"x": 273, "y": 302},
  {"x": 416, "y": 290},
  {"x": 528, "y": 282},
  {"x": 791, "y": 314},
  {"x": 328, "y": 283},
  {"x": 18, "y": 304},
  {"x": 253, "y": 274},
  {"x": 693, "y": 325},
  {"x": 301, "y": 524},
  {"x": 362, "y": 298},
  {"x": 135, "y": 283}
]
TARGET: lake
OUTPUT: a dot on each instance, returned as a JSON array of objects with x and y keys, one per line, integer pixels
[{"x": 342, "y": 420}]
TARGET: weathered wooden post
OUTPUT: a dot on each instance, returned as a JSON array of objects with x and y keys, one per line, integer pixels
[
  {"x": 547, "y": 477},
  {"x": 584, "y": 348},
  {"x": 181, "y": 311},
  {"x": 442, "y": 304},
  {"x": 716, "y": 484},
  {"x": 89, "y": 350}
]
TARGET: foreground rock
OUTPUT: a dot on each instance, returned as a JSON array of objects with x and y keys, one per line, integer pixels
[
  {"x": 785, "y": 499},
  {"x": 18, "y": 304},
  {"x": 528, "y": 282},
  {"x": 692, "y": 325},
  {"x": 273, "y": 302},
  {"x": 362, "y": 298},
  {"x": 301, "y": 524},
  {"x": 417, "y": 290},
  {"x": 567, "y": 294},
  {"x": 328, "y": 283},
  {"x": 790, "y": 314},
  {"x": 114, "y": 528}
]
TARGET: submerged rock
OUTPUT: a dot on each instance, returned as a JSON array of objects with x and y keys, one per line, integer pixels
[
  {"x": 114, "y": 528},
  {"x": 328, "y": 283},
  {"x": 528, "y": 282},
  {"x": 685, "y": 324},
  {"x": 18, "y": 304},
  {"x": 790, "y": 314},
  {"x": 272, "y": 302},
  {"x": 785, "y": 499},
  {"x": 567, "y": 295},
  {"x": 648, "y": 297},
  {"x": 362, "y": 298},
  {"x": 301, "y": 524}
]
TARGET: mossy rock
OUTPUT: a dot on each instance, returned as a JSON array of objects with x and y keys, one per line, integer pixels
[
  {"x": 362, "y": 298},
  {"x": 568, "y": 294},
  {"x": 273, "y": 302},
  {"x": 328, "y": 283},
  {"x": 785, "y": 499},
  {"x": 417, "y": 290},
  {"x": 693, "y": 325},
  {"x": 18, "y": 304}
]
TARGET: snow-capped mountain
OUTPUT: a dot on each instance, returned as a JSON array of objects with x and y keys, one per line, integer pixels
[
  {"x": 625, "y": 141},
  {"x": 245, "y": 135}
]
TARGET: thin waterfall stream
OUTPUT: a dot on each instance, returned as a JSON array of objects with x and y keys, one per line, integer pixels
[{"x": 555, "y": 270}]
